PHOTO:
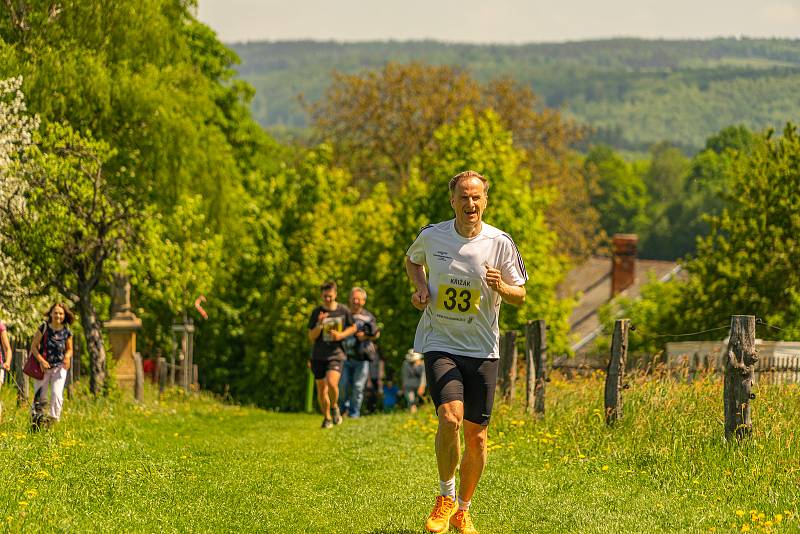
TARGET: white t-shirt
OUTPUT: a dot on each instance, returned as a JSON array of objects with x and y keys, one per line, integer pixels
[{"x": 462, "y": 315}]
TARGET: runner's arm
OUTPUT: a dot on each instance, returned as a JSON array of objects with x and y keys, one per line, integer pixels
[
  {"x": 347, "y": 332},
  {"x": 313, "y": 333},
  {"x": 511, "y": 294},
  {"x": 6, "y": 349},
  {"x": 315, "y": 326},
  {"x": 416, "y": 274},
  {"x": 514, "y": 295}
]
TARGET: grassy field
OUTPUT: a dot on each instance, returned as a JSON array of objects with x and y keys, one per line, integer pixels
[{"x": 197, "y": 465}]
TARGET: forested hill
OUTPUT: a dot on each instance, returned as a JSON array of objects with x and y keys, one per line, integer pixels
[{"x": 633, "y": 92}]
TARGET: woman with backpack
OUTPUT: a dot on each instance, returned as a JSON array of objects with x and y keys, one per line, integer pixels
[{"x": 52, "y": 348}]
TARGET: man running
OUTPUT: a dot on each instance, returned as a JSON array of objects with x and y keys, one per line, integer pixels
[
  {"x": 471, "y": 267},
  {"x": 328, "y": 325}
]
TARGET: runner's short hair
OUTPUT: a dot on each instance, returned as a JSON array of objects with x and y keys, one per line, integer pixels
[
  {"x": 454, "y": 181},
  {"x": 360, "y": 290},
  {"x": 327, "y": 286}
]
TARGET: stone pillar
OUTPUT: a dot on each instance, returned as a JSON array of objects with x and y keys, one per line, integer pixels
[{"x": 122, "y": 333}]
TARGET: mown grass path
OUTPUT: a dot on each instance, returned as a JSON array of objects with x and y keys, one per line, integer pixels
[{"x": 201, "y": 466}]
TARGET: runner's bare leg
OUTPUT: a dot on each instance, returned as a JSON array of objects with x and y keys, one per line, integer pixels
[
  {"x": 448, "y": 442},
  {"x": 474, "y": 460},
  {"x": 332, "y": 381},
  {"x": 323, "y": 398}
]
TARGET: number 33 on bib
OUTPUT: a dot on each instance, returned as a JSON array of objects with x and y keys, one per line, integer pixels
[{"x": 458, "y": 300}]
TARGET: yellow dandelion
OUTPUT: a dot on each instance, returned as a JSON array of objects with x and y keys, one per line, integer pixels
[
  {"x": 745, "y": 528},
  {"x": 740, "y": 513},
  {"x": 768, "y": 524},
  {"x": 31, "y": 493},
  {"x": 605, "y": 468},
  {"x": 23, "y": 504},
  {"x": 42, "y": 474},
  {"x": 778, "y": 518}
]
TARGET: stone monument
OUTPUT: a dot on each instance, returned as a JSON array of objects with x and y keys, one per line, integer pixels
[{"x": 122, "y": 332}]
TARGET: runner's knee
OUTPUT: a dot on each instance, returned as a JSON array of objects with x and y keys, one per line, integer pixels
[
  {"x": 450, "y": 417},
  {"x": 475, "y": 438}
]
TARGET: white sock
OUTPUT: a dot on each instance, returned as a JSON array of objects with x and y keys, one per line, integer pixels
[
  {"x": 463, "y": 505},
  {"x": 448, "y": 488}
]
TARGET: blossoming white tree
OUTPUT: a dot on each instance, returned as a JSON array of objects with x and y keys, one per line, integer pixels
[{"x": 18, "y": 302}]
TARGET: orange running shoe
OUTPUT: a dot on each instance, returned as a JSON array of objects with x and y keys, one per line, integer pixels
[
  {"x": 439, "y": 520},
  {"x": 463, "y": 522}
]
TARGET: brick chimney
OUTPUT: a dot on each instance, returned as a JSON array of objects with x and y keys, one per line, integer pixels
[{"x": 623, "y": 262}]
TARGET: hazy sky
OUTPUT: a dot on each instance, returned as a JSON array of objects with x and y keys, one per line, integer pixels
[{"x": 504, "y": 21}]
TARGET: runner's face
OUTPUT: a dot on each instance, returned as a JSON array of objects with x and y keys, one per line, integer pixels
[
  {"x": 469, "y": 201},
  {"x": 357, "y": 300},
  {"x": 328, "y": 297}
]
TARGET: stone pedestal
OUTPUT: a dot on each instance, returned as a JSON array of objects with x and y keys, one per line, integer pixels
[{"x": 122, "y": 334}]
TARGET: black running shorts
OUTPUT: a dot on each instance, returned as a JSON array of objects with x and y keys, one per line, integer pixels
[
  {"x": 461, "y": 378},
  {"x": 321, "y": 367}
]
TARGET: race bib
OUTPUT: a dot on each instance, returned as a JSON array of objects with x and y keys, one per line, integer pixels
[
  {"x": 329, "y": 324},
  {"x": 459, "y": 299}
]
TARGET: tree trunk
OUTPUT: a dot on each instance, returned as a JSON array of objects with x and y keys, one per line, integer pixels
[{"x": 94, "y": 344}]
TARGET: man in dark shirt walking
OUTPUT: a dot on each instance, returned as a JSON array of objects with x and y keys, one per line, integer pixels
[
  {"x": 360, "y": 351},
  {"x": 328, "y": 325}
]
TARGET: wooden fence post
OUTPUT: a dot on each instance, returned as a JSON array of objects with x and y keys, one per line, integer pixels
[
  {"x": 616, "y": 371},
  {"x": 138, "y": 384},
  {"x": 162, "y": 375},
  {"x": 69, "y": 383},
  {"x": 739, "y": 364},
  {"x": 195, "y": 378},
  {"x": 172, "y": 369},
  {"x": 535, "y": 358},
  {"x": 508, "y": 365},
  {"x": 22, "y": 379},
  {"x": 76, "y": 359}
]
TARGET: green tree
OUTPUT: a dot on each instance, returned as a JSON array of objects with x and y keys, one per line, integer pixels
[
  {"x": 73, "y": 228},
  {"x": 747, "y": 265},
  {"x": 665, "y": 178},
  {"x": 155, "y": 85},
  {"x": 710, "y": 176},
  {"x": 621, "y": 198},
  {"x": 381, "y": 124}
]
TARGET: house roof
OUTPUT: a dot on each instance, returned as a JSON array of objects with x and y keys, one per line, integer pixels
[{"x": 591, "y": 283}]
